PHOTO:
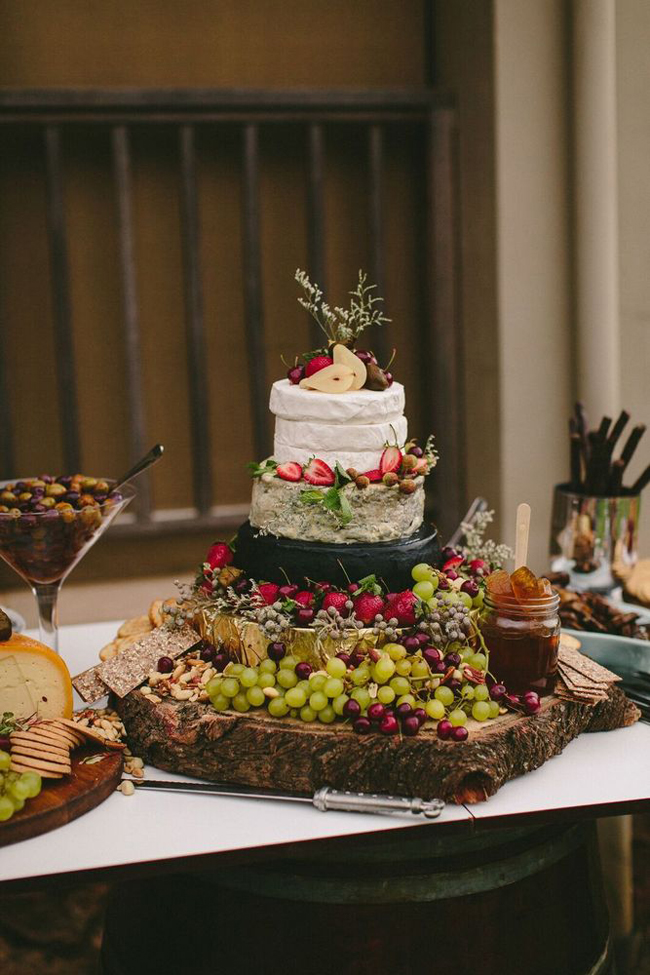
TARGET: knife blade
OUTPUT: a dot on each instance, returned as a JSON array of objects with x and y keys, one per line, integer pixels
[{"x": 324, "y": 799}]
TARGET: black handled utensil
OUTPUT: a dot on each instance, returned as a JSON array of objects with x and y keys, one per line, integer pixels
[{"x": 143, "y": 464}]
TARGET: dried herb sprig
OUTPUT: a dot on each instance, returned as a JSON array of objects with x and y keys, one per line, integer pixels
[{"x": 342, "y": 325}]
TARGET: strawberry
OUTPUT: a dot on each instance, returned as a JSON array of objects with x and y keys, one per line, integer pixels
[
  {"x": 391, "y": 460},
  {"x": 316, "y": 364},
  {"x": 219, "y": 555},
  {"x": 366, "y": 607},
  {"x": 375, "y": 475},
  {"x": 338, "y": 601},
  {"x": 305, "y": 598},
  {"x": 269, "y": 592},
  {"x": 291, "y": 471},
  {"x": 453, "y": 563},
  {"x": 402, "y": 607},
  {"x": 421, "y": 467},
  {"x": 318, "y": 472}
]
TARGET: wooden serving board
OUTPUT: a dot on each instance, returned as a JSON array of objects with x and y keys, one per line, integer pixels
[
  {"x": 255, "y": 749},
  {"x": 62, "y": 800}
]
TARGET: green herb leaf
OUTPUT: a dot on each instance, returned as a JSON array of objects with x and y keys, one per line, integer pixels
[
  {"x": 346, "y": 511},
  {"x": 342, "y": 477},
  {"x": 311, "y": 497}
]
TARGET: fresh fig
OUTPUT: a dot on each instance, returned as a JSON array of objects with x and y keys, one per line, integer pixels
[
  {"x": 376, "y": 378},
  {"x": 5, "y": 627}
]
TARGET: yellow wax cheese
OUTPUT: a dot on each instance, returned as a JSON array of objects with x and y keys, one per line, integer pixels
[{"x": 33, "y": 680}]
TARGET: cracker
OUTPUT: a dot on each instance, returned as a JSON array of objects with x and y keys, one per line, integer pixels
[
  {"x": 44, "y": 774},
  {"x": 136, "y": 626},
  {"x": 40, "y": 744},
  {"x": 155, "y": 613},
  {"x": 41, "y": 765},
  {"x": 131, "y": 667},
  {"x": 568, "y": 642},
  {"x": 108, "y": 651},
  {"x": 55, "y": 735},
  {"x": 24, "y": 752},
  {"x": 585, "y": 665},
  {"x": 94, "y": 736},
  {"x": 89, "y": 685}
]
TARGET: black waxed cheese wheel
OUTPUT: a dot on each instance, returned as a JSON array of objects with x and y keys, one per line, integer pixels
[{"x": 264, "y": 557}]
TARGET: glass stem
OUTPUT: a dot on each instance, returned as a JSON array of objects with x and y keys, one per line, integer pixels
[{"x": 47, "y": 595}]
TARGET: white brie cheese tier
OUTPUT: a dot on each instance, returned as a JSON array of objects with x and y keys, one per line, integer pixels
[
  {"x": 379, "y": 513},
  {"x": 351, "y": 428}
]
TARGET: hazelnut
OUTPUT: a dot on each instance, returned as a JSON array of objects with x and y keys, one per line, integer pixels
[
  {"x": 351, "y": 472},
  {"x": 409, "y": 462},
  {"x": 362, "y": 481},
  {"x": 407, "y": 487},
  {"x": 390, "y": 478}
]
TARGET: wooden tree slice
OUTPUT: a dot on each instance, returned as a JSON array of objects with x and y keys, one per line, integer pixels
[
  {"x": 255, "y": 749},
  {"x": 63, "y": 800}
]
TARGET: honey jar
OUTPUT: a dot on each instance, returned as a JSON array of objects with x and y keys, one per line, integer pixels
[{"x": 523, "y": 638}]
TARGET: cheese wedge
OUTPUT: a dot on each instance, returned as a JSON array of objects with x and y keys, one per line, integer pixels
[{"x": 33, "y": 680}]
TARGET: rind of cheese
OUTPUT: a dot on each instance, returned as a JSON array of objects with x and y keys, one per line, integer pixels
[
  {"x": 379, "y": 513},
  {"x": 354, "y": 406},
  {"x": 33, "y": 680}
]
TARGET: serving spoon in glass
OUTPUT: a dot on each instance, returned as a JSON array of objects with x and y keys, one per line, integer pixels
[{"x": 143, "y": 464}]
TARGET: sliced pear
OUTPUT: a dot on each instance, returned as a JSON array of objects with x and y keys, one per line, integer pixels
[
  {"x": 332, "y": 379},
  {"x": 344, "y": 357}
]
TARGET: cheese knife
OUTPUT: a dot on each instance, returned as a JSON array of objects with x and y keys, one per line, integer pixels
[{"x": 324, "y": 799}]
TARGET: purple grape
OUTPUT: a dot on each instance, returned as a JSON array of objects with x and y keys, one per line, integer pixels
[
  {"x": 432, "y": 656},
  {"x": 303, "y": 670},
  {"x": 531, "y": 706},
  {"x": 403, "y": 710},
  {"x": 453, "y": 684},
  {"x": 497, "y": 692},
  {"x": 351, "y": 708},
  {"x": 345, "y": 657},
  {"x": 362, "y": 726},
  {"x": 444, "y": 729},
  {"x": 288, "y": 591},
  {"x": 470, "y": 587},
  {"x": 420, "y": 714},
  {"x": 452, "y": 659},
  {"x": 451, "y": 574},
  {"x": 353, "y": 587},
  {"x": 411, "y": 643},
  {"x": 449, "y": 553},
  {"x": 208, "y": 652},
  {"x": 443, "y": 582},
  {"x": 389, "y": 725},
  {"x": 416, "y": 451},
  {"x": 276, "y": 651},
  {"x": 423, "y": 638},
  {"x": 459, "y": 734},
  {"x": 365, "y": 356},
  {"x": 376, "y": 712},
  {"x": 356, "y": 659},
  {"x": 410, "y": 726},
  {"x": 220, "y": 662},
  {"x": 165, "y": 665},
  {"x": 439, "y": 668},
  {"x": 305, "y": 615}
]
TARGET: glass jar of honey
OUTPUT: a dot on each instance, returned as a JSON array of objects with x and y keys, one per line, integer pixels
[{"x": 523, "y": 637}]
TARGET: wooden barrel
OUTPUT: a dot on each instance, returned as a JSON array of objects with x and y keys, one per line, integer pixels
[{"x": 500, "y": 902}]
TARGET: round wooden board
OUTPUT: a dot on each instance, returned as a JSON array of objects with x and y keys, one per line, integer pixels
[{"x": 62, "y": 800}]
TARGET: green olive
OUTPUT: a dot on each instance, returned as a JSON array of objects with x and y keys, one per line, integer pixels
[
  {"x": 7, "y": 497},
  {"x": 55, "y": 490},
  {"x": 48, "y": 502},
  {"x": 25, "y": 496},
  {"x": 88, "y": 483}
]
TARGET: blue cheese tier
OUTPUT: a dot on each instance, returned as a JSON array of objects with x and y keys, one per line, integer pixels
[{"x": 379, "y": 513}]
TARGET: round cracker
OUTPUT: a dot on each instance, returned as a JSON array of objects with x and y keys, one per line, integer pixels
[
  {"x": 48, "y": 774},
  {"x": 155, "y": 613},
  {"x": 52, "y": 737},
  {"x": 42, "y": 744},
  {"x": 110, "y": 650},
  {"x": 135, "y": 626},
  {"x": 42, "y": 765},
  {"x": 22, "y": 752}
]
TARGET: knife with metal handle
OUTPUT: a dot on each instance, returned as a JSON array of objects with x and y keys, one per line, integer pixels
[{"x": 325, "y": 799}]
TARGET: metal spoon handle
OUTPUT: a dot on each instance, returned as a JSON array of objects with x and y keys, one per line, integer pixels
[{"x": 154, "y": 455}]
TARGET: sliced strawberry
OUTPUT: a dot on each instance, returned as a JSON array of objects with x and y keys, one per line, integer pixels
[
  {"x": 453, "y": 563},
  {"x": 317, "y": 363},
  {"x": 318, "y": 472},
  {"x": 422, "y": 467},
  {"x": 367, "y": 606},
  {"x": 375, "y": 475},
  {"x": 269, "y": 592},
  {"x": 391, "y": 460},
  {"x": 291, "y": 471}
]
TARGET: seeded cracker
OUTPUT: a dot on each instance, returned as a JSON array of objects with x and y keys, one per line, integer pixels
[
  {"x": 131, "y": 667},
  {"x": 586, "y": 666},
  {"x": 89, "y": 685}
]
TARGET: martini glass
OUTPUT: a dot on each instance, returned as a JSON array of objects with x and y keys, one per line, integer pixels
[{"x": 43, "y": 547}]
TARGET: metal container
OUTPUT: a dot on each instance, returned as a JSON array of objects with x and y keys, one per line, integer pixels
[{"x": 591, "y": 537}]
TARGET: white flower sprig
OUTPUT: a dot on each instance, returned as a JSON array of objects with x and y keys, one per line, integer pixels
[{"x": 477, "y": 547}]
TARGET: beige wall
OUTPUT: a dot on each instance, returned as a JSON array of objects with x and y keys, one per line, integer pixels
[
  {"x": 533, "y": 233},
  {"x": 633, "y": 78}
]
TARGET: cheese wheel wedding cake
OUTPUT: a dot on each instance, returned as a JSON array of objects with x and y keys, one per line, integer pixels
[{"x": 343, "y": 493}]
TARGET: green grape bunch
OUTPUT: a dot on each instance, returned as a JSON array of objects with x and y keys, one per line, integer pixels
[{"x": 15, "y": 787}]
